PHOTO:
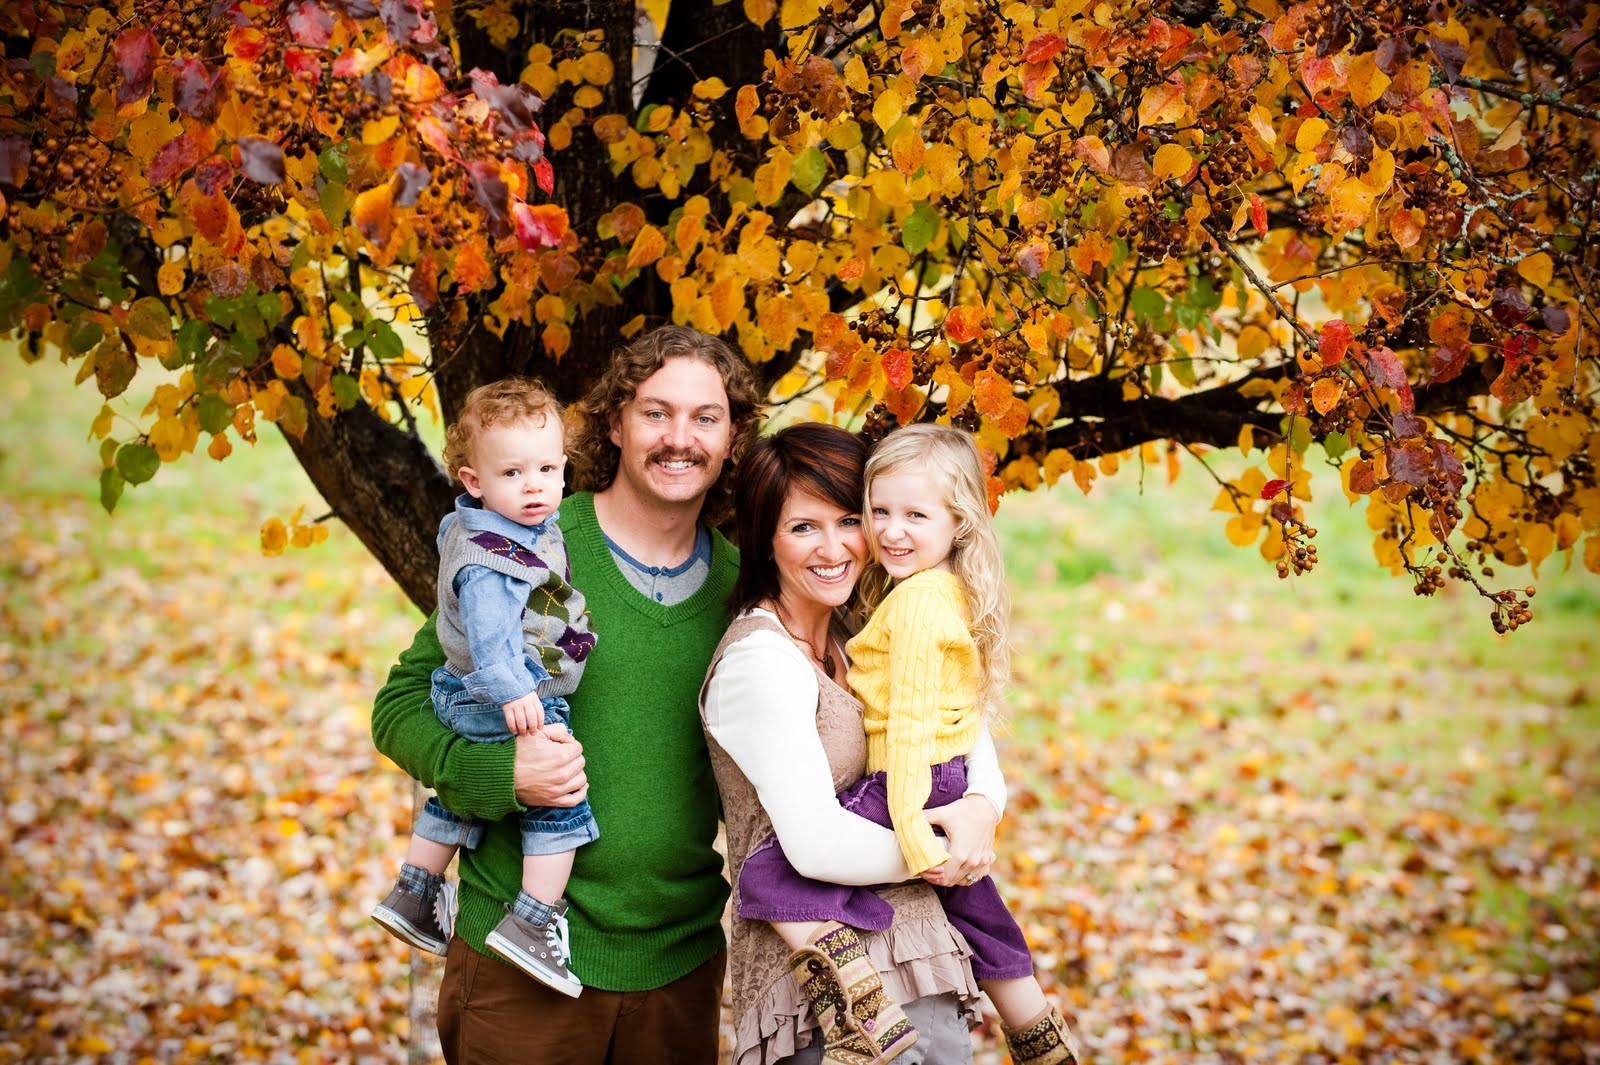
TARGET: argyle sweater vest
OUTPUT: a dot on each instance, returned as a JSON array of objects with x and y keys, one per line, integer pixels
[{"x": 555, "y": 627}]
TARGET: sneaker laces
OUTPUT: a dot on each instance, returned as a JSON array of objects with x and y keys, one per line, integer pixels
[
  {"x": 555, "y": 937},
  {"x": 444, "y": 908}
]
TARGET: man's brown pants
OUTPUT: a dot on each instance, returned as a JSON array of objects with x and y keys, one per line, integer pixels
[{"x": 490, "y": 1013}]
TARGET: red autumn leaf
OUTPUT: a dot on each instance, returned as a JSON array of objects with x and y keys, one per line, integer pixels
[
  {"x": 409, "y": 181},
  {"x": 964, "y": 323},
  {"x": 402, "y": 18},
  {"x": 490, "y": 192},
  {"x": 1031, "y": 259},
  {"x": 261, "y": 160},
  {"x": 544, "y": 176},
  {"x": 136, "y": 60},
  {"x": 15, "y": 159},
  {"x": 1383, "y": 367},
  {"x": 514, "y": 104},
  {"x": 1273, "y": 487},
  {"x": 1258, "y": 213},
  {"x": 307, "y": 66},
  {"x": 1446, "y": 363},
  {"x": 310, "y": 23},
  {"x": 1035, "y": 76},
  {"x": 213, "y": 174},
  {"x": 1363, "y": 478},
  {"x": 1411, "y": 462},
  {"x": 852, "y": 269},
  {"x": 897, "y": 367},
  {"x": 247, "y": 43},
  {"x": 424, "y": 282},
  {"x": 1334, "y": 341},
  {"x": 1043, "y": 47},
  {"x": 177, "y": 156},
  {"x": 194, "y": 87},
  {"x": 539, "y": 227},
  {"x": 1294, "y": 398}
]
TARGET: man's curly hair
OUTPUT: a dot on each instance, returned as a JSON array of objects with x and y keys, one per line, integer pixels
[
  {"x": 510, "y": 399},
  {"x": 593, "y": 458}
]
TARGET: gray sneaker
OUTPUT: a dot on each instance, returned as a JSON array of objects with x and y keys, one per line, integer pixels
[
  {"x": 412, "y": 919},
  {"x": 540, "y": 950}
]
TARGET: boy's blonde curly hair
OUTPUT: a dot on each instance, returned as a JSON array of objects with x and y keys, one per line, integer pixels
[{"x": 508, "y": 400}]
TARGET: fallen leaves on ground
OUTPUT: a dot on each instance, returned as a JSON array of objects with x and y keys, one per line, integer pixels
[{"x": 1213, "y": 860}]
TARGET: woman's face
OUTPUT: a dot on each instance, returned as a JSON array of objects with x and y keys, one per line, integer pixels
[{"x": 819, "y": 549}]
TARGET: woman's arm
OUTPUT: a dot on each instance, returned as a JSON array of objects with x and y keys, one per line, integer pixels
[
  {"x": 983, "y": 773},
  {"x": 761, "y": 707},
  {"x": 472, "y": 779}
]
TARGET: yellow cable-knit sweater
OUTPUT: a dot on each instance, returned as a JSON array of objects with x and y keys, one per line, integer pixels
[{"x": 916, "y": 670}]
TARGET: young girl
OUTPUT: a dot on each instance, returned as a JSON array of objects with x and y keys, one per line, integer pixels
[{"x": 927, "y": 665}]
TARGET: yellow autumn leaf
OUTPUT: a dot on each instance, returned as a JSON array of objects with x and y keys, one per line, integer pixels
[
  {"x": 1591, "y": 553},
  {"x": 1172, "y": 161},
  {"x": 286, "y": 362},
  {"x": 1325, "y": 394},
  {"x": 907, "y": 151},
  {"x": 1365, "y": 81},
  {"x": 647, "y": 247},
  {"x": 1350, "y": 203},
  {"x": 1538, "y": 540},
  {"x": 772, "y": 175},
  {"x": 1242, "y": 529},
  {"x": 887, "y": 109},
  {"x": 1162, "y": 103},
  {"x": 1536, "y": 269},
  {"x": 169, "y": 279},
  {"x": 1311, "y": 132},
  {"x": 596, "y": 68},
  {"x": 378, "y": 130},
  {"x": 710, "y": 89}
]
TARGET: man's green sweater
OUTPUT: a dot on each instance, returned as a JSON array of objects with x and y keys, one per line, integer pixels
[{"x": 645, "y": 899}]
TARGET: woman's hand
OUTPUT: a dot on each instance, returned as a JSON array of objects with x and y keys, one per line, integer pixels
[
  {"x": 549, "y": 768},
  {"x": 968, "y": 825}
]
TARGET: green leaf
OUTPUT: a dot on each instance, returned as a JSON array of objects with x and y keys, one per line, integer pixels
[
  {"x": 1336, "y": 444},
  {"x": 137, "y": 462},
  {"x": 1183, "y": 372},
  {"x": 335, "y": 201},
  {"x": 346, "y": 391},
  {"x": 808, "y": 170},
  {"x": 193, "y": 336},
  {"x": 216, "y": 413},
  {"x": 149, "y": 318},
  {"x": 1148, "y": 304},
  {"x": 331, "y": 162},
  {"x": 384, "y": 341},
  {"x": 84, "y": 336},
  {"x": 111, "y": 485},
  {"x": 920, "y": 228}
]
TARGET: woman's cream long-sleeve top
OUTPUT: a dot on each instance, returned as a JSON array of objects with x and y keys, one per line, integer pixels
[{"x": 761, "y": 707}]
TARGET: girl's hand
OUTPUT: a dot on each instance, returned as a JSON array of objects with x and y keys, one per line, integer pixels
[
  {"x": 968, "y": 825},
  {"x": 524, "y": 715}
]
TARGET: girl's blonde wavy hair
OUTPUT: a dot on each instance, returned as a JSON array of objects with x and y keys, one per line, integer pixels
[{"x": 949, "y": 458}]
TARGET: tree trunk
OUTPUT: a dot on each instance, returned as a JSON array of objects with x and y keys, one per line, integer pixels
[{"x": 384, "y": 484}]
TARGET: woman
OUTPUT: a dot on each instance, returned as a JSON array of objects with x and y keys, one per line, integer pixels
[{"x": 785, "y": 735}]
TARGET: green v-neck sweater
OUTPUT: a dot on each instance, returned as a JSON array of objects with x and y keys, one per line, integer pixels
[{"x": 645, "y": 899}]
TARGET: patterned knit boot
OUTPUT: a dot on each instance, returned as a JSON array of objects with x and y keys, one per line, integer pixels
[
  {"x": 1046, "y": 1040},
  {"x": 861, "y": 1024}
]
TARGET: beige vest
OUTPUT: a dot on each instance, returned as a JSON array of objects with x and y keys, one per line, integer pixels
[{"x": 918, "y": 955}]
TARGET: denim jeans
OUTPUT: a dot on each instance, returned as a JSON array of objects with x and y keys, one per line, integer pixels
[{"x": 545, "y": 829}]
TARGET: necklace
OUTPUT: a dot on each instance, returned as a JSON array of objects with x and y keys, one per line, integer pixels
[{"x": 823, "y": 660}]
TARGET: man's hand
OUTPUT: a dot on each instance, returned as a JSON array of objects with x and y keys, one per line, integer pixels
[
  {"x": 969, "y": 824},
  {"x": 549, "y": 768},
  {"x": 524, "y": 715}
]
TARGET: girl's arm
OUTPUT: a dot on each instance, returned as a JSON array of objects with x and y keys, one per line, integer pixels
[
  {"x": 761, "y": 707},
  {"x": 472, "y": 779},
  {"x": 923, "y": 632}
]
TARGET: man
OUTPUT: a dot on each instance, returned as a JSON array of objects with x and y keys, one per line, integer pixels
[{"x": 652, "y": 457}]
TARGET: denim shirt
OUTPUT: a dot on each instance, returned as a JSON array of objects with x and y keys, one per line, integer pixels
[{"x": 492, "y": 604}]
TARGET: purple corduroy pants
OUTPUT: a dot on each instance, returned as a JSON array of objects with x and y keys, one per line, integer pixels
[{"x": 771, "y": 890}]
